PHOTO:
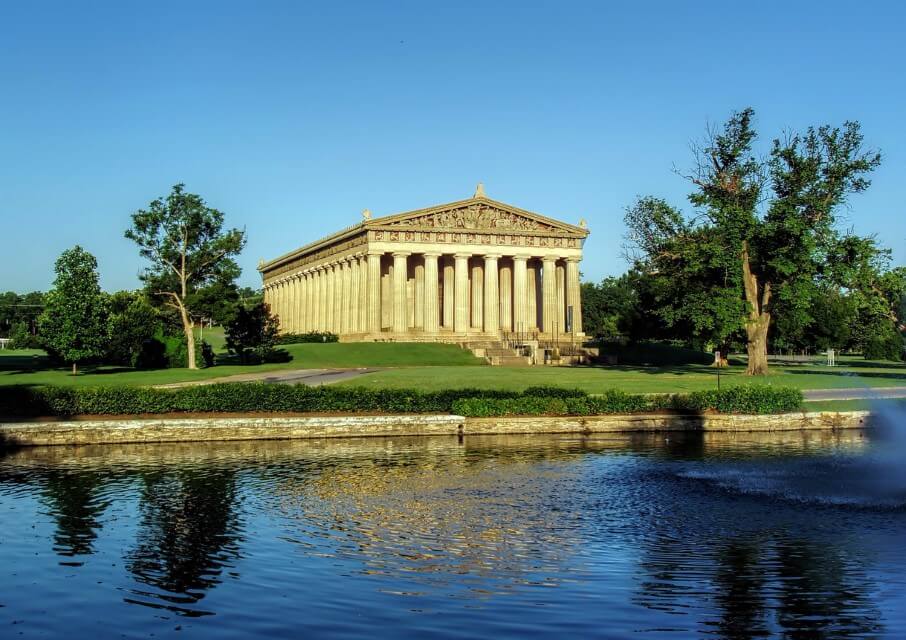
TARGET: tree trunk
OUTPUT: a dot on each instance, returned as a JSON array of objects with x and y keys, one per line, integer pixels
[
  {"x": 758, "y": 321},
  {"x": 190, "y": 335}
]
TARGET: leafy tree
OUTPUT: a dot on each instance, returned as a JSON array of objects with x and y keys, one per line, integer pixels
[
  {"x": 252, "y": 333},
  {"x": 19, "y": 309},
  {"x": 133, "y": 323},
  {"x": 764, "y": 230},
  {"x": 73, "y": 325},
  {"x": 188, "y": 249}
]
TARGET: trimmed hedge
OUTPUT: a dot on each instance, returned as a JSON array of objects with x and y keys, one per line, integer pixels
[
  {"x": 259, "y": 397},
  {"x": 304, "y": 338},
  {"x": 749, "y": 399}
]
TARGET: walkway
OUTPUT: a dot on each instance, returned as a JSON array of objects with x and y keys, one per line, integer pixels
[
  {"x": 310, "y": 377},
  {"x": 856, "y": 393}
]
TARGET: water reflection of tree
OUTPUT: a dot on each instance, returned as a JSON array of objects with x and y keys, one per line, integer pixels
[
  {"x": 188, "y": 535},
  {"x": 757, "y": 583},
  {"x": 76, "y": 501}
]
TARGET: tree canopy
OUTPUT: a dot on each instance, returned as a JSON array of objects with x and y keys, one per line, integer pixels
[
  {"x": 763, "y": 233},
  {"x": 188, "y": 249},
  {"x": 73, "y": 325}
]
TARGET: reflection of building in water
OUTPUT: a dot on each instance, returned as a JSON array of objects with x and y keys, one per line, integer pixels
[{"x": 501, "y": 519}]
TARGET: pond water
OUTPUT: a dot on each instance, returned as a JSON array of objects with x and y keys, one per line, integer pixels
[{"x": 798, "y": 535}]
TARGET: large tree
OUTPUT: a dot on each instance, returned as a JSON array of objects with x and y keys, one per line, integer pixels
[
  {"x": 764, "y": 229},
  {"x": 188, "y": 248},
  {"x": 73, "y": 325}
]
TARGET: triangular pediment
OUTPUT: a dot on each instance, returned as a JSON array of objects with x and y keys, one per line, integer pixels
[{"x": 477, "y": 214}]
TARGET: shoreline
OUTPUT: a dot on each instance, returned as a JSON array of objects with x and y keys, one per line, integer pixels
[{"x": 287, "y": 427}]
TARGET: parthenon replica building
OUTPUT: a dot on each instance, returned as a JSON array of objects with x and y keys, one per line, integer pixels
[{"x": 476, "y": 269}]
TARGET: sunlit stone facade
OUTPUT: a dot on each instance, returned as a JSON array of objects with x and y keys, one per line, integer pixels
[{"x": 474, "y": 269}]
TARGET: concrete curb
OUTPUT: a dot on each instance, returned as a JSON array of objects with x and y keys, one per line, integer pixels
[{"x": 285, "y": 428}]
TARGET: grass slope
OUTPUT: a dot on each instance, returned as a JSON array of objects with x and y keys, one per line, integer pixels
[
  {"x": 674, "y": 379},
  {"x": 28, "y": 368}
]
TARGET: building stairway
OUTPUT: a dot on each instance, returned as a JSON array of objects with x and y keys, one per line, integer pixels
[{"x": 497, "y": 354}]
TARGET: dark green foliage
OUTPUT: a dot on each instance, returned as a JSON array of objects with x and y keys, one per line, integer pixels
[
  {"x": 553, "y": 392},
  {"x": 653, "y": 353},
  {"x": 252, "y": 334},
  {"x": 750, "y": 399},
  {"x": 16, "y": 309},
  {"x": 885, "y": 344},
  {"x": 73, "y": 326},
  {"x": 20, "y": 337},
  {"x": 151, "y": 355},
  {"x": 207, "y": 354},
  {"x": 311, "y": 336},
  {"x": 132, "y": 323},
  {"x": 764, "y": 235},
  {"x": 257, "y": 397},
  {"x": 176, "y": 354}
]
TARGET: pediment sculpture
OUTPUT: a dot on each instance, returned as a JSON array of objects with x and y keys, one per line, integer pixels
[{"x": 476, "y": 216}]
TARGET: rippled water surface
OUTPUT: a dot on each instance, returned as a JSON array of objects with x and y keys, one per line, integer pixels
[{"x": 799, "y": 535}]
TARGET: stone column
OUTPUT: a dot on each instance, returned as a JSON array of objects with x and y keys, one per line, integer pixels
[
  {"x": 355, "y": 300},
  {"x": 573, "y": 293},
  {"x": 491, "y": 294},
  {"x": 400, "y": 308},
  {"x": 449, "y": 295},
  {"x": 561, "y": 296},
  {"x": 432, "y": 311},
  {"x": 461, "y": 293},
  {"x": 418, "y": 298},
  {"x": 330, "y": 275},
  {"x": 549, "y": 295},
  {"x": 306, "y": 302},
  {"x": 363, "y": 294},
  {"x": 520, "y": 293},
  {"x": 476, "y": 281},
  {"x": 338, "y": 298},
  {"x": 374, "y": 293},
  {"x": 346, "y": 300},
  {"x": 300, "y": 303},
  {"x": 533, "y": 293},
  {"x": 278, "y": 299},
  {"x": 320, "y": 308},
  {"x": 506, "y": 297}
]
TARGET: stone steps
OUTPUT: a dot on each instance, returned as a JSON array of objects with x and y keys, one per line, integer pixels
[{"x": 496, "y": 354}]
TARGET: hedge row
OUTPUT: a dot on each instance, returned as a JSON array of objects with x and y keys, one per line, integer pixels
[
  {"x": 311, "y": 336},
  {"x": 258, "y": 397},
  {"x": 750, "y": 400}
]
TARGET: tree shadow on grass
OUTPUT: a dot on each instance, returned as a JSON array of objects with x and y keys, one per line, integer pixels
[
  {"x": 851, "y": 374},
  {"x": 678, "y": 370},
  {"x": 874, "y": 364}
]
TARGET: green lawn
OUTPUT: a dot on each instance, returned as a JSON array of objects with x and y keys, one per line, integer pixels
[
  {"x": 440, "y": 366},
  {"x": 17, "y": 367},
  {"x": 633, "y": 379},
  {"x": 897, "y": 404}
]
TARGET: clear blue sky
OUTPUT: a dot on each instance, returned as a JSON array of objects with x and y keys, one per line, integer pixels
[{"x": 292, "y": 117}]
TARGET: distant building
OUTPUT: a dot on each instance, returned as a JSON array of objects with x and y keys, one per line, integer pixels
[{"x": 474, "y": 269}]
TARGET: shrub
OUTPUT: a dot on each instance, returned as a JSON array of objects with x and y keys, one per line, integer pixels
[
  {"x": 260, "y": 397},
  {"x": 311, "y": 336},
  {"x": 742, "y": 399},
  {"x": 252, "y": 334},
  {"x": 151, "y": 355},
  {"x": 653, "y": 353}
]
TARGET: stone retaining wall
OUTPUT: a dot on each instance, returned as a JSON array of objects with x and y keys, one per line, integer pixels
[{"x": 285, "y": 428}]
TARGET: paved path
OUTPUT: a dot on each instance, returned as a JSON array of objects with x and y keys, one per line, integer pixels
[
  {"x": 855, "y": 393},
  {"x": 311, "y": 377}
]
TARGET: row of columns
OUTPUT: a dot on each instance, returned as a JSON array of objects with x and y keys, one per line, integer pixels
[{"x": 347, "y": 296}]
